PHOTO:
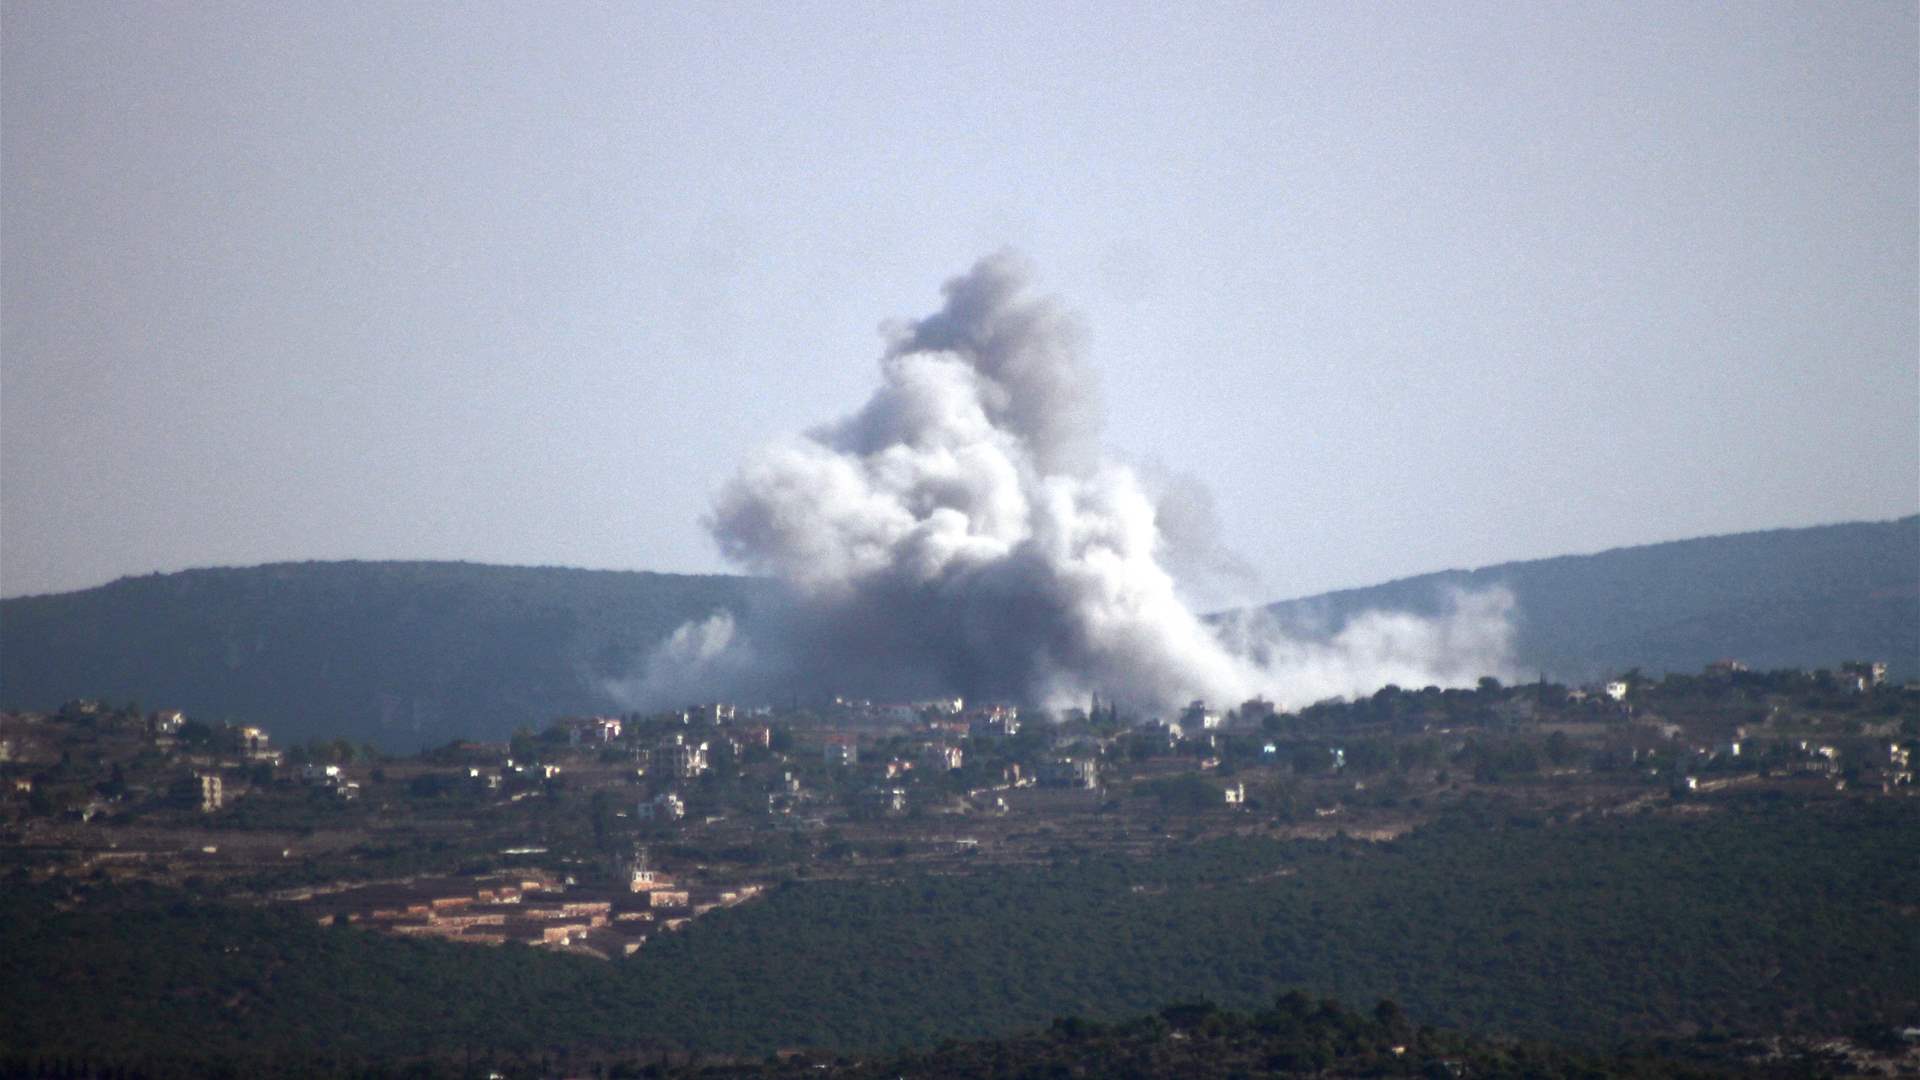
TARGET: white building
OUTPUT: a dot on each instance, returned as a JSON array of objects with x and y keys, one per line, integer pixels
[
  {"x": 684, "y": 759},
  {"x": 997, "y": 722},
  {"x": 210, "y": 792}
]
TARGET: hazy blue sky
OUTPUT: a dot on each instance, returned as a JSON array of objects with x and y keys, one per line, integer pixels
[{"x": 1409, "y": 287}]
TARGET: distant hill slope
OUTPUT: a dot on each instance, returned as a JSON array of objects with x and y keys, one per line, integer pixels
[
  {"x": 402, "y": 654},
  {"x": 406, "y": 654},
  {"x": 1783, "y": 598}
]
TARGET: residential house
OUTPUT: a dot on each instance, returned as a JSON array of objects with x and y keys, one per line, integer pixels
[
  {"x": 591, "y": 730},
  {"x": 995, "y": 722},
  {"x": 890, "y": 800},
  {"x": 681, "y": 758},
  {"x": 1197, "y": 717},
  {"x": 1256, "y": 711},
  {"x": 1070, "y": 772},
  {"x": 253, "y": 742},
  {"x": 641, "y": 879},
  {"x": 1864, "y": 675},
  {"x": 665, "y": 806}
]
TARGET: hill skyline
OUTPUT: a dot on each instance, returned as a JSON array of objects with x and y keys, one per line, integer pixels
[
  {"x": 405, "y": 654},
  {"x": 1447, "y": 572},
  {"x": 1745, "y": 590}
]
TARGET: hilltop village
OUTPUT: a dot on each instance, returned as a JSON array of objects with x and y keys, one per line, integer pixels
[{"x": 596, "y": 833}]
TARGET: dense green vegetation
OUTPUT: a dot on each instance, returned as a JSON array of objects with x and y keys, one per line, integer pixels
[
  {"x": 1775, "y": 599},
  {"x": 151, "y": 979},
  {"x": 1756, "y": 916},
  {"x": 408, "y": 655},
  {"x": 1294, "y": 1035},
  {"x": 404, "y": 655},
  {"x": 1743, "y": 920}
]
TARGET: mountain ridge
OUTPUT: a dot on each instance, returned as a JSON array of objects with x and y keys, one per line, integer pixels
[
  {"x": 1624, "y": 607},
  {"x": 411, "y": 653}
]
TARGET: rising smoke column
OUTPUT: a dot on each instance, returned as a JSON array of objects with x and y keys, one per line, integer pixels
[{"x": 961, "y": 533}]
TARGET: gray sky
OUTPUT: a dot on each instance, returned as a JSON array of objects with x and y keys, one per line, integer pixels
[{"x": 1409, "y": 287}]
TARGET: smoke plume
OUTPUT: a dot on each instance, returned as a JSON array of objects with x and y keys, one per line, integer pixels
[{"x": 961, "y": 534}]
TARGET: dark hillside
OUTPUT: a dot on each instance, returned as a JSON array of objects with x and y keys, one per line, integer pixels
[
  {"x": 1783, "y": 598},
  {"x": 402, "y": 654},
  {"x": 1752, "y": 917},
  {"x": 410, "y": 654}
]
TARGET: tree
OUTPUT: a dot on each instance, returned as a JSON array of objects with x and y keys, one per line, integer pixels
[
  {"x": 1391, "y": 1017},
  {"x": 1309, "y": 760},
  {"x": 1369, "y": 756},
  {"x": 1560, "y": 749},
  {"x": 522, "y": 747},
  {"x": 601, "y": 811}
]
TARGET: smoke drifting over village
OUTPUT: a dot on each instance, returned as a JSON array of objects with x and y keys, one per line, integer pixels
[{"x": 961, "y": 533}]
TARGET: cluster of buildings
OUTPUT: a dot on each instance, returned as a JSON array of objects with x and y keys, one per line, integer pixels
[
  {"x": 159, "y": 759},
  {"x": 533, "y": 908},
  {"x": 679, "y": 757},
  {"x": 331, "y": 778}
]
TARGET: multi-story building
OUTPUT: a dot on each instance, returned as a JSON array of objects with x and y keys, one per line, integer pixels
[{"x": 683, "y": 759}]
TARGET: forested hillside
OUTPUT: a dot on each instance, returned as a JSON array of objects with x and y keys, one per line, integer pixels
[
  {"x": 1756, "y": 917},
  {"x": 412, "y": 654},
  {"x": 402, "y": 654},
  {"x": 1782, "y": 598}
]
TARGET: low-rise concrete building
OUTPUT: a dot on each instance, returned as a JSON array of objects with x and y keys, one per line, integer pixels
[{"x": 1070, "y": 772}]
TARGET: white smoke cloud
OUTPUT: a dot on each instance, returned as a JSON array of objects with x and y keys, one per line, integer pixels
[
  {"x": 960, "y": 534},
  {"x": 697, "y": 656}
]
